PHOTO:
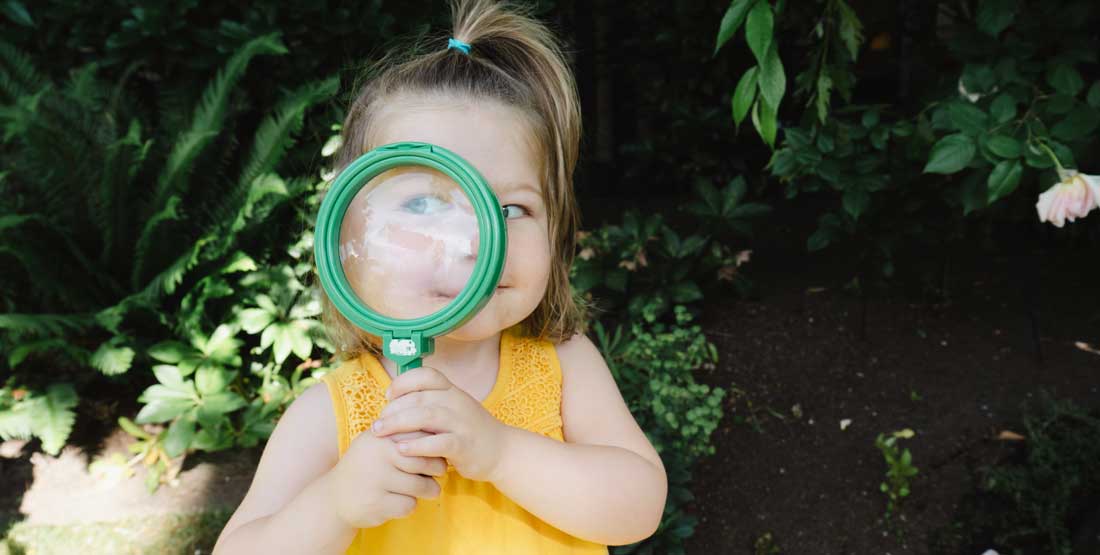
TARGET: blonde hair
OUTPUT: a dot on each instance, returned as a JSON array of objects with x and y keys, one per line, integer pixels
[{"x": 518, "y": 61}]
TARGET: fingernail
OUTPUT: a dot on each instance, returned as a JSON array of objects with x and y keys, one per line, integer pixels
[
  {"x": 376, "y": 426},
  {"x": 403, "y": 447},
  {"x": 387, "y": 393}
]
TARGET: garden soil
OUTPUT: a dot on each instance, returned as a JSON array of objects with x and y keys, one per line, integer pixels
[{"x": 818, "y": 372}]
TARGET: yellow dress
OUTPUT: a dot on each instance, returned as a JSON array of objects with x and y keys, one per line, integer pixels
[{"x": 468, "y": 517}]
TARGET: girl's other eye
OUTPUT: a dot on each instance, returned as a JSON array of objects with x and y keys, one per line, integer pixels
[
  {"x": 514, "y": 211},
  {"x": 425, "y": 204}
]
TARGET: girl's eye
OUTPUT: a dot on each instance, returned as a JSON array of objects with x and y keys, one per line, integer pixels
[
  {"x": 425, "y": 204},
  {"x": 514, "y": 211}
]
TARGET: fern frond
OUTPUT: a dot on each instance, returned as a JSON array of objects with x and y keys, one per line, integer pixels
[
  {"x": 20, "y": 77},
  {"x": 45, "y": 324},
  {"x": 124, "y": 158},
  {"x": 113, "y": 357},
  {"x": 54, "y": 421},
  {"x": 84, "y": 90},
  {"x": 276, "y": 132},
  {"x": 15, "y": 423},
  {"x": 162, "y": 284},
  {"x": 145, "y": 239},
  {"x": 57, "y": 345},
  {"x": 207, "y": 120}
]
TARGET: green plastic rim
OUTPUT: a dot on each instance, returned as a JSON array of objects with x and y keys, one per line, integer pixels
[{"x": 406, "y": 341}]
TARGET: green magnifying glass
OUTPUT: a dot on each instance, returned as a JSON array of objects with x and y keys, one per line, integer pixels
[{"x": 410, "y": 244}]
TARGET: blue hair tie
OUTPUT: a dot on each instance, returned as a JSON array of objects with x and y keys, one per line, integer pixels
[{"x": 457, "y": 44}]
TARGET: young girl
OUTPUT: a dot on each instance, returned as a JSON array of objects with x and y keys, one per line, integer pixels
[{"x": 513, "y": 437}]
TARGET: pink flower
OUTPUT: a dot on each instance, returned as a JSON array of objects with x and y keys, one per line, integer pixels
[{"x": 1071, "y": 198}]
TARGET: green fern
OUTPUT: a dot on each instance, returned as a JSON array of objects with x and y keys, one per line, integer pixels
[
  {"x": 86, "y": 246},
  {"x": 45, "y": 324},
  {"x": 276, "y": 132},
  {"x": 48, "y": 416},
  {"x": 18, "y": 76},
  {"x": 206, "y": 124}
]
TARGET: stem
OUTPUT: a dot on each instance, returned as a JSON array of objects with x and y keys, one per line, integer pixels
[{"x": 1043, "y": 145}]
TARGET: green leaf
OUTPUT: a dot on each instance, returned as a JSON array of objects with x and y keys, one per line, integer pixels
[
  {"x": 254, "y": 320},
  {"x": 967, "y": 118},
  {"x": 950, "y": 154},
  {"x": 1003, "y": 108},
  {"x": 283, "y": 342},
  {"x": 184, "y": 391},
  {"x": 223, "y": 345},
  {"x": 685, "y": 292},
  {"x": 851, "y": 29},
  {"x": 179, "y": 436},
  {"x": 772, "y": 79},
  {"x": 1005, "y": 146},
  {"x": 870, "y": 118},
  {"x": 1059, "y": 103},
  {"x": 995, "y": 15},
  {"x": 111, "y": 359},
  {"x": 169, "y": 376},
  {"x": 275, "y": 133},
  {"x": 132, "y": 429},
  {"x": 979, "y": 78},
  {"x": 855, "y": 202},
  {"x": 822, "y": 94},
  {"x": 1003, "y": 179},
  {"x": 220, "y": 403},
  {"x": 1082, "y": 121},
  {"x": 300, "y": 344},
  {"x": 819, "y": 239},
  {"x": 171, "y": 352},
  {"x": 744, "y": 95},
  {"x": 54, "y": 417},
  {"x": 1065, "y": 79},
  {"x": 765, "y": 122},
  {"x": 163, "y": 411},
  {"x": 211, "y": 379},
  {"x": 759, "y": 29},
  {"x": 1094, "y": 95},
  {"x": 731, "y": 22},
  {"x": 17, "y": 13},
  {"x": 265, "y": 302}
]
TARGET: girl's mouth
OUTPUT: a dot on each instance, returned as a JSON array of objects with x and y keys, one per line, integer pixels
[{"x": 450, "y": 295}]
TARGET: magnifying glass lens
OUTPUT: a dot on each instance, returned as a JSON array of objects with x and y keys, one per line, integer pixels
[{"x": 408, "y": 242}]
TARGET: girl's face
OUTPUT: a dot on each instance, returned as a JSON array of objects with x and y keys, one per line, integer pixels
[{"x": 498, "y": 142}]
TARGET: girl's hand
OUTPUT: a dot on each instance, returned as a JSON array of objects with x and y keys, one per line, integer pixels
[
  {"x": 373, "y": 482},
  {"x": 463, "y": 432}
]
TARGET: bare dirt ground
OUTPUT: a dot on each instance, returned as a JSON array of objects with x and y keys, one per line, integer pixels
[{"x": 955, "y": 370}]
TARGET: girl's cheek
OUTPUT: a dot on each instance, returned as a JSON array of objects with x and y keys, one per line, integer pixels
[{"x": 528, "y": 251}]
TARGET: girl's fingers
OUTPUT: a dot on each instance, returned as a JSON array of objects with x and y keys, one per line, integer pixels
[
  {"x": 413, "y": 399},
  {"x": 396, "y": 505},
  {"x": 438, "y": 445},
  {"x": 418, "y": 379},
  {"x": 413, "y": 485},
  {"x": 431, "y": 418},
  {"x": 429, "y": 466}
]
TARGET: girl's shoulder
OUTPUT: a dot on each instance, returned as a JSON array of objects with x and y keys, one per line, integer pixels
[{"x": 579, "y": 355}]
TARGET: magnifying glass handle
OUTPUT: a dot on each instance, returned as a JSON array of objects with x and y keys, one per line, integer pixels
[
  {"x": 407, "y": 352},
  {"x": 414, "y": 363}
]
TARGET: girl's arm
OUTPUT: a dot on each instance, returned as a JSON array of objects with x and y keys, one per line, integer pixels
[
  {"x": 606, "y": 483},
  {"x": 288, "y": 507}
]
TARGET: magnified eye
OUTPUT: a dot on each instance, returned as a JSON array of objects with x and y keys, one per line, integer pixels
[
  {"x": 514, "y": 211},
  {"x": 425, "y": 205}
]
